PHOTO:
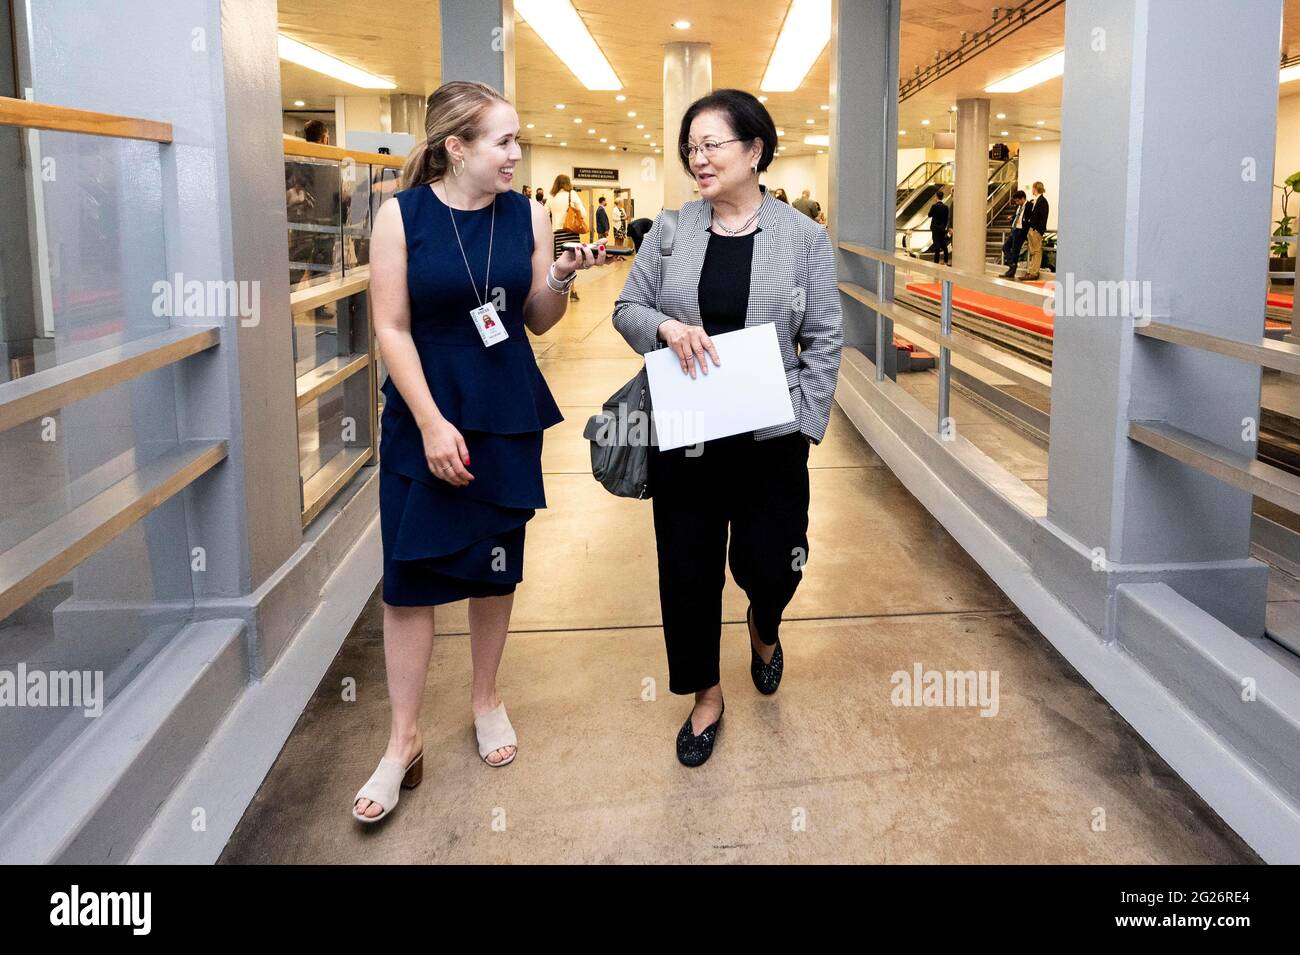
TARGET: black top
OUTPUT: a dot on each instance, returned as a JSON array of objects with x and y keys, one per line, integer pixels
[
  {"x": 938, "y": 216},
  {"x": 724, "y": 282}
]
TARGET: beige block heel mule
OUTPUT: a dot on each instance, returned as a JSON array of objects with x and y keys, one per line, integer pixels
[{"x": 386, "y": 783}]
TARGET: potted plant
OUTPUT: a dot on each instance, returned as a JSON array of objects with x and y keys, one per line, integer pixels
[{"x": 1283, "y": 253}]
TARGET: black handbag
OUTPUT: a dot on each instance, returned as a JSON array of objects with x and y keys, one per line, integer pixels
[{"x": 622, "y": 433}]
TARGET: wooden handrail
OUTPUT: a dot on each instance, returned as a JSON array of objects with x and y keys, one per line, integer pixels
[
  {"x": 52, "y": 388},
  {"x": 21, "y": 112},
  {"x": 293, "y": 146},
  {"x": 42, "y": 559}
]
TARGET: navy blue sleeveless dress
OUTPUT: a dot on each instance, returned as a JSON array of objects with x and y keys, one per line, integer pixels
[{"x": 444, "y": 543}]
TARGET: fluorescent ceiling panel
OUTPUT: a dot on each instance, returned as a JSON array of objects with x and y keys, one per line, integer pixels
[
  {"x": 560, "y": 28},
  {"x": 312, "y": 59},
  {"x": 804, "y": 34}
]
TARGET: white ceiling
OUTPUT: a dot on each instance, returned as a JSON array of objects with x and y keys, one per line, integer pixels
[{"x": 404, "y": 46}]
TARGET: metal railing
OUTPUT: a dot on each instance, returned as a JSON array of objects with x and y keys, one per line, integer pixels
[
  {"x": 42, "y": 558},
  {"x": 1024, "y": 373},
  {"x": 1243, "y": 471}
]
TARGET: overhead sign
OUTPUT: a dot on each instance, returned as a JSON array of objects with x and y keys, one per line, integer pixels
[{"x": 590, "y": 172}]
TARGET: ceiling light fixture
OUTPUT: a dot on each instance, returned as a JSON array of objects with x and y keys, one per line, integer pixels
[
  {"x": 560, "y": 28},
  {"x": 1289, "y": 73},
  {"x": 295, "y": 52},
  {"x": 683, "y": 24},
  {"x": 804, "y": 35},
  {"x": 925, "y": 122},
  {"x": 299, "y": 102},
  {"x": 823, "y": 139},
  {"x": 1040, "y": 72},
  {"x": 1002, "y": 115}
]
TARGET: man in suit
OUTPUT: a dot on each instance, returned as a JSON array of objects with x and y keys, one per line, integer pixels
[
  {"x": 1016, "y": 238},
  {"x": 939, "y": 230},
  {"x": 1037, "y": 226},
  {"x": 602, "y": 220}
]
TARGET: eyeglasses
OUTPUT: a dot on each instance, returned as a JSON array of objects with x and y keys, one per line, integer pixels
[{"x": 708, "y": 149}]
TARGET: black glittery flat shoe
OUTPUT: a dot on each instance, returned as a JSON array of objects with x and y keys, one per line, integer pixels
[
  {"x": 693, "y": 750},
  {"x": 766, "y": 676}
]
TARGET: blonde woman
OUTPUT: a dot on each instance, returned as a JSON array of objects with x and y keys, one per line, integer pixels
[
  {"x": 460, "y": 266},
  {"x": 562, "y": 197}
]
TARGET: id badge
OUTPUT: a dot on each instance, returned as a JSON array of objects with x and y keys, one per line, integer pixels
[{"x": 490, "y": 327}]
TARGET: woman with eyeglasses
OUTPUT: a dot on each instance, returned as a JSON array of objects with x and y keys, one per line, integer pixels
[{"x": 740, "y": 259}]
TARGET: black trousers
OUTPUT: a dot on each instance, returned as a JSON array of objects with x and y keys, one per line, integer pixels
[
  {"x": 759, "y": 491},
  {"x": 939, "y": 245}
]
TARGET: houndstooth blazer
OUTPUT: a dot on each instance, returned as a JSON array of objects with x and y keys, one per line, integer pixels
[{"x": 792, "y": 285}]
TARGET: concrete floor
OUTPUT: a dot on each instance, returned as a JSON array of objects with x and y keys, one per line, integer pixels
[{"x": 827, "y": 770}]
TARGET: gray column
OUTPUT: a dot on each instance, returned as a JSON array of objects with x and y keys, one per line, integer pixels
[
  {"x": 1145, "y": 81},
  {"x": 970, "y": 197},
  {"x": 688, "y": 75},
  {"x": 864, "y": 153},
  {"x": 478, "y": 43}
]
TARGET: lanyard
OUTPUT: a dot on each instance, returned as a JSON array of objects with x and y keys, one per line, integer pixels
[{"x": 491, "y": 232}]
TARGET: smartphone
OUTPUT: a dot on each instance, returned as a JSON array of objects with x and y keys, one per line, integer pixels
[{"x": 595, "y": 247}]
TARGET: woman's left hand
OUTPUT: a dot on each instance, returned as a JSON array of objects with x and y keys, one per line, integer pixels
[{"x": 583, "y": 258}]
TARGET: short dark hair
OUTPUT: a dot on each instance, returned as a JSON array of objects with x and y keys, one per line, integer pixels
[
  {"x": 747, "y": 117},
  {"x": 939, "y": 193},
  {"x": 314, "y": 131},
  {"x": 602, "y": 200},
  {"x": 1019, "y": 194}
]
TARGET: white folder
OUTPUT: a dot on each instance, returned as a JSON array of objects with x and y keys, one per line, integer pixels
[{"x": 747, "y": 391}]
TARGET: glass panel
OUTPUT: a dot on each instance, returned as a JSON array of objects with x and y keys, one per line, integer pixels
[
  {"x": 336, "y": 423},
  {"x": 312, "y": 199},
  {"x": 93, "y": 631},
  {"x": 357, "y": 221},
  {"x": 81, "y": 246},
  {"x": 107, "y": 618},
  {"x": 335, "y": 330},
  {"x": 53, "y": 464}
]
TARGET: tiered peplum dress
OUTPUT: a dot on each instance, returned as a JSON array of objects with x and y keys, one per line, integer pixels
[{"x": 443, "y": 543}]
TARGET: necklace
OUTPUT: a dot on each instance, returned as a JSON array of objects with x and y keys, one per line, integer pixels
[
  {"x": 491, "y": 233},
  {"x": 713, "y": 218}
]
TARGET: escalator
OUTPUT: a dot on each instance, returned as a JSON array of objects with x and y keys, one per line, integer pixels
[{"x": 916, "y": 194}]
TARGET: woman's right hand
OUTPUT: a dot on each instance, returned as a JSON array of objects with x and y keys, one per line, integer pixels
[
  {"x": 446, "y": 454},
  {"x": 690, "y": 343}
]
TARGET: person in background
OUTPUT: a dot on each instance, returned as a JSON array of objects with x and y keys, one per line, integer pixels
[
  {"x": 808, "y": 206},
  {"x": 527, "y": 191},
  {"x": 315, "y": 132},
  {"x": 1037, "y": 225},
  {"x": 541, "y": 196},
  {"x": 780, "y": 194},
  {"x": 1016, "y": 237},
  {"x": 562, "y": 197},
  {"x": 602, "y": 220},
  {"x": 620, "y": 222},
  {"x": 939, "y": 231}
]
